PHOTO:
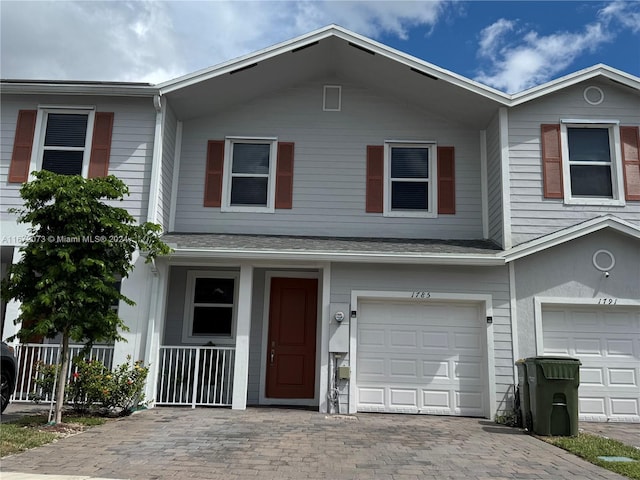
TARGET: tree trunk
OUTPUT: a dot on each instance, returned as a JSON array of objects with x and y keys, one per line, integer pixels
[{"x": 62, "y": 377}]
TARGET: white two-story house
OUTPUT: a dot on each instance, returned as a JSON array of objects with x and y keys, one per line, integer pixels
[{"x": 354, "y": 229}]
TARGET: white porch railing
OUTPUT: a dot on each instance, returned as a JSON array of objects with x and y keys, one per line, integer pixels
[
  {"x": 195, "y": 376},
  {"x": 30, "y": 355}
]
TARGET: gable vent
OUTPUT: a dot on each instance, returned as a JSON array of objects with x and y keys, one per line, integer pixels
[
  {"x": 241, "y": 69},
  {"x": 366, "y": 50},
  {"x": 332, "y": 98},
  {"x": 304, "y": 47},
  {"x": 425, "y": 74}
]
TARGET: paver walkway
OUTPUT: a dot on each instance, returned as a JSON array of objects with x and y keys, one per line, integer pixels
[{"x": 266, "y": 443}]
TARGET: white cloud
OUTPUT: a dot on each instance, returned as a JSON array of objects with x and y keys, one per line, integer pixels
[
  {"x": 623, "y": 13},
  {"x": 493, "y": 36},
  {"x": 155, "y": 41},
  {"x": 526, "y": 58},
  {"x": 535, "y": 59}
]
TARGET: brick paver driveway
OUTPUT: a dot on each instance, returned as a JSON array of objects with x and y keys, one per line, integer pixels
[{"x": 265, "y": 443}]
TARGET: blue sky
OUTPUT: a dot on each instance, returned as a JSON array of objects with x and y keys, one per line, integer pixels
[{"x": 510, "y": 46}]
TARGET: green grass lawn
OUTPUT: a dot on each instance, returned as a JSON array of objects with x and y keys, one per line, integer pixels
[
  {"x": 590, "y": 447},
  {"x": 33, "y": 431}
]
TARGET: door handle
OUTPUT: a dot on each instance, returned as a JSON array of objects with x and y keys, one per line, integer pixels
[{"x": 273, "y": 354}]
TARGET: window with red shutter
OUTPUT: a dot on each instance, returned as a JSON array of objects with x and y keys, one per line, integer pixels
[
  {"x": 246, "y": 174},
  {"x": 68, "y": 145},
  {"x": 581, "y": 162}
]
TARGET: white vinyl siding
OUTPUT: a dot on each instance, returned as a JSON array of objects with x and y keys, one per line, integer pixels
[
  {"x": 532, "y": 215},
  {"x": 329, "y": 166},
  {"x": 131, "y": 145}
]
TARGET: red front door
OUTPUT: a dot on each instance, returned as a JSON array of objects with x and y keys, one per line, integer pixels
[{"x": 291, "y": 349}]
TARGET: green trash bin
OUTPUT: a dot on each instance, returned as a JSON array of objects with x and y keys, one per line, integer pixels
[
  {"x": 523, "y": 389},
  {"x": 553, "y": 394}
]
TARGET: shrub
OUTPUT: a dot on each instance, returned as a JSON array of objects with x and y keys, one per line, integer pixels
[
  {"x": 88, "y": 386},
  {"x": 44, "y": 381},
  {"x": 92, "y": 387},
  {"x": 126, "y": 387}
]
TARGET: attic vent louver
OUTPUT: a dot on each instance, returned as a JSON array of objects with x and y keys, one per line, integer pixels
[
  {"x": 366, "y": 50},
  {"x": 304, "y": 46},
  {"x": 332, "y": 98},
  {"x": 424, "y": 74},
  {"x": 242, "y": 69}
]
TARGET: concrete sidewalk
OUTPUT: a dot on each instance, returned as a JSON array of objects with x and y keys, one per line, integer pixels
[{"x": 281, "y": 444}]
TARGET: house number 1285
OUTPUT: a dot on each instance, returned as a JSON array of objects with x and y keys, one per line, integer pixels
[{"x": 420, "y": 294}]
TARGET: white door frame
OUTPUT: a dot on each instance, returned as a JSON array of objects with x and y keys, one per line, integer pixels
[{"x": 423, "y": 297}]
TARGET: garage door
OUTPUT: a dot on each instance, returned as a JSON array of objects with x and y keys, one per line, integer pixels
[
  {"x": 421, "y": 358},
  {"x": 607, "y": 342}
]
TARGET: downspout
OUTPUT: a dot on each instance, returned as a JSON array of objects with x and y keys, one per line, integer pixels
[
  {"x": 506, "y": 178},
  {"x": 156, "y": 164}
]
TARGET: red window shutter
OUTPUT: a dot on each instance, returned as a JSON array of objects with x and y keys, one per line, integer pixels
[
  {"x": 101, "y": 144},
  {"x": 284, "y": 175},
  {"x": 213, "y": 174},
  {"x": 630, "y": 139},
  {"x": 375, "y": 178},
  {"x": 551, "y": 161},
  {"x": 446, "y": 180},
  {"x": 22, "y": 146}
]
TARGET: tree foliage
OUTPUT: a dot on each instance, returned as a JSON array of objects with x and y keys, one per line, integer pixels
[{"x": 79, "y": 246}]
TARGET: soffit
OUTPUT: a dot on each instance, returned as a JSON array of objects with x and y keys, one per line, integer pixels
[{"x": 333, "y": 57}]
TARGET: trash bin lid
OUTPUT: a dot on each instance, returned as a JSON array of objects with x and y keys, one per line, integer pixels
[{"x": 558, "y": 368}]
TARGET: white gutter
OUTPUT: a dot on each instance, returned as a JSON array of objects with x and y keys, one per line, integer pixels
[
  {"x": 326, "y": 256},
  {"x": 22, "y": 88}
]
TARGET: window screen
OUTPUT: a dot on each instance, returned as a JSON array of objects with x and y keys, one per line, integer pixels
[{"x": 64, "y": 143}]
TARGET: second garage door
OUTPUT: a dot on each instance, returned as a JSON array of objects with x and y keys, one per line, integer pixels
[
  {"x": 607, "y": 342},
  {"x": 421, "y": 358}
]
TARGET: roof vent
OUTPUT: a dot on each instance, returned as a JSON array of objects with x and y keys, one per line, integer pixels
[
  {"x": 593, "y": 95},
  {"x": 332, "y": 98}
]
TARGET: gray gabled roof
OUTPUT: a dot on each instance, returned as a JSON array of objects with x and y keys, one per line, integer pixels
[{"x": 573, "y": 232}]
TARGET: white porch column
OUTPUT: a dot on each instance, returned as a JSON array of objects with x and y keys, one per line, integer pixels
[
  {"x": 13, "y": 306},
  {"x": 243, "y": 328},
  {"x": 138, "y": 287},
  {"x": 155, "y": 329}
]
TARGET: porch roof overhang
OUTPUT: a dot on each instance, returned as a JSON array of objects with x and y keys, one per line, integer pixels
[
  {"x": 333, "y": 249},
  {"x": 608, "y": 222}
]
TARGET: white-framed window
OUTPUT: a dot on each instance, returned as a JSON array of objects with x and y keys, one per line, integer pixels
[
  {"x": 591, "y": 162},
  {"x": 210, "y": 307},
  {"x": 249, "y": 179},
  {"x": 410, "y": 179},
  {"x": 64, "y": 139}
]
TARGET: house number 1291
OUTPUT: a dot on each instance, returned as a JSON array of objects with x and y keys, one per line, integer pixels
[{"x": 420, "y": 294}]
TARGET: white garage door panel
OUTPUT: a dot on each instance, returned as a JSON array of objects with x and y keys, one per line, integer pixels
[
  {"x": 607, "y": 342},
  {"x": 421, "y": 358}
]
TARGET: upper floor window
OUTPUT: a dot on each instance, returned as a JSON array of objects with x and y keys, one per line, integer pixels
[
  {"x": 65, "y": 145},
  {"x": 410, "y": 186},
  {"x": 67, "y": 140},
  {"x": 591, "y": 163},
  {"x": 249, "y": 183}
]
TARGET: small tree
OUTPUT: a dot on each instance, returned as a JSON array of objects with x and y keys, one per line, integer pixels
[{"x": 78, "y": 247}]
